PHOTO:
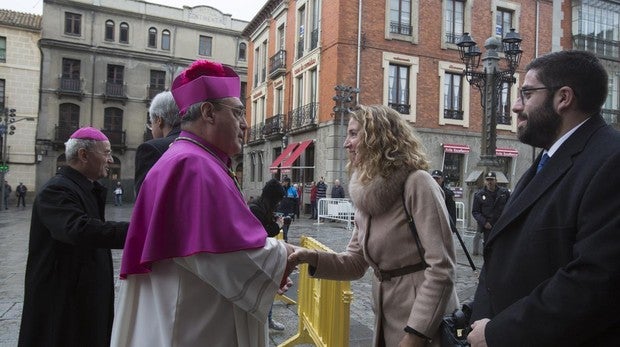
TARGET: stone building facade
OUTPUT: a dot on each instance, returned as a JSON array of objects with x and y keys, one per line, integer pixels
[{"x": 104, "y": 60}]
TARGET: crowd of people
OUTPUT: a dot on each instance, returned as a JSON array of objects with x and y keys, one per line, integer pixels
[{"x": 202, "y": 268}]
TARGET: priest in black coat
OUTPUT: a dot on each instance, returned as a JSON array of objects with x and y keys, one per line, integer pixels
[{"x": 69, "y": 286}]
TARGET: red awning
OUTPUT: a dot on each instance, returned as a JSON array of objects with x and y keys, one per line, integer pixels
[
  {"x": 283, "y": 155},
  {"x": 453, "y": 148},
  {"x": 288, "y": 163},
  {"x": 506, "y": 152}
]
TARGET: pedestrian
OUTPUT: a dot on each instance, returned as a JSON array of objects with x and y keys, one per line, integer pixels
[
  {"x": 337, "y": 190},
  {"x": 321, "y": 189},
  {"x": 264, "y": 209},
  {"x": 288, "y": 206},
  {"x": 198, "y": 268},
  {"x": 551, "y": 273},
  {"x": 69, "y": 286},
  {"x": 413, "y": 287},
  {"x": 313, "y": 202},
  {"x": 7, "y": 193},
  {"x": 489, "y": 202},
  {"x": 448, "y": 194},
  {"x": 20, "y": 192},
  {"x": 164, "y": 124},
  {"x": 118, "y": 194}
]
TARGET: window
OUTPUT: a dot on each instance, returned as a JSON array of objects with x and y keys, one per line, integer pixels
[
  {"x": 454, "y": 20},
  {"x": 113, "y": 119},
  {"x": 109, "y": 30},
  {"x": 453, "y": 169},
  {"x": 260, "y": 163},
  {"x": 301, "y": 25},
  {"x": 124, "y": 36},
  {"x": 2, "y": 89},
  {"x": 504, "y": 116},
  {"x": 398, "y": 88},
  {"x": 452, "y": 96},
  {"x": 596, "y": 27},
  {"x": 503, "y": 22},
  {"x": 252, "y": 167},
  {"x": 400, "y": 17},
  {"x": 314, "y": 25},
  {"x": 157, "y": 83},
  {"x": 73, "y": 23},
  {"x": 242, "y": 51},
  {"x": 70, "y": 78},
  {"x": 2, "y": 49},
  {"x": 152, "y": 39},
  {"x": 115, "y": 74},
  {"x": 68, "y": 119},
  {"x": 165, "y": 40},
  {"x": 205, "y": 45},
  {"x": 244, "y": 85},
  {"x": 279, "y": 100}
]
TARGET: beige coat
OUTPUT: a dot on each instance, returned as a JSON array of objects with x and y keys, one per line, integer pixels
[{"x": 385, "y": 242}]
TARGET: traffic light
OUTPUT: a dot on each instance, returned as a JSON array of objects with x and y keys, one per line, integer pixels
[
  {"x": 12, "y": 115},
  {"x": 12, "y": 129}
]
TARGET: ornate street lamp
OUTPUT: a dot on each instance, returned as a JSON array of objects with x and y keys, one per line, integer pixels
[{"x": 489, "y": 82}]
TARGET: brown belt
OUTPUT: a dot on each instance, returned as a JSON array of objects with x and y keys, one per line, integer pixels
[{"x": 389, "y": 274}]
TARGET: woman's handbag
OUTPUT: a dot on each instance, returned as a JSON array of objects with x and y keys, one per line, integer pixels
[{"x": 454, "y": 327}]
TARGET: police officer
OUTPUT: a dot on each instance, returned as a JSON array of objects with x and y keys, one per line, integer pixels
[{"x": 488, "y": 205}]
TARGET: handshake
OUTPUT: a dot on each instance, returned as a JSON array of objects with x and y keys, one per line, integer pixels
[{"x": 296, "y": 255}]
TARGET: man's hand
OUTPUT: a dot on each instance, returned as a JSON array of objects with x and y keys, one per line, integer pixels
[
  {"x": 476, "y": 335},
  {"x": 283, "y": 289},
  {"x": 488, "y": 226},
  {"x": 290, "y": 249}
]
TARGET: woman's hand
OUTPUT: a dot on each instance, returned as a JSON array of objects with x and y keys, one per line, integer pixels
[{"x": 304, "y": 256}]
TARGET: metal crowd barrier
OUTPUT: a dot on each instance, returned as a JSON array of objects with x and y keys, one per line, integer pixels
[
  {"x": 323, "y": 307},
  {"x": 336, "y": 209}
]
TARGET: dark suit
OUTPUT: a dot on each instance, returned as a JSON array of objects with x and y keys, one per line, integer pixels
[
  {"x": 149, "y": 152},
  {"x": 551, "y": 275}
]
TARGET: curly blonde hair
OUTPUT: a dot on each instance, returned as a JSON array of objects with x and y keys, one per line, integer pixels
[{"x": 386, "y": 143}]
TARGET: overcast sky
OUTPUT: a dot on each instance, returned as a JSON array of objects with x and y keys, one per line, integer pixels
[{"x": 239, "y": 9}]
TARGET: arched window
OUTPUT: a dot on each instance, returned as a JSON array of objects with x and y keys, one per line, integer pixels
[
  {"x": 165, "y": 40},
  {"x": 124, "y": 35},
  {"x": 152, "y": 41},
  {"x": 242, "y": 50},
  {"x": 109, "y": 30},
  {"x": 68, "y": 120},
  {"x": 113, "y": 119}
]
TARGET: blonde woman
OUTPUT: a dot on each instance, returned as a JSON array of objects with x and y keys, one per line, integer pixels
[{"x": 412, "y": 287}]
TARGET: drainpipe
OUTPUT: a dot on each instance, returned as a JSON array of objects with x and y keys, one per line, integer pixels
[{"x": 359, "y": 50}]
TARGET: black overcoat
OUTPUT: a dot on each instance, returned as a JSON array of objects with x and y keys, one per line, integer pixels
[
  {"x": 69, "y": 287},
  {"x": 551, "y": 274},
  {"x": 149, "y": 152}
]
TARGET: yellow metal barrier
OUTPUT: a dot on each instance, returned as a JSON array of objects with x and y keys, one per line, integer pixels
[
  {"x": 323, "y": 308},
  {"x": 285, "y": 299}
]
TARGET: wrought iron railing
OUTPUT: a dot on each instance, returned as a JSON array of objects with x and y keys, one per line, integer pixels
[
  {"x": 116, "y": 137},
  {"x": 277, "y": 63},
  {"x": 254, "y": 133},
  {"x": 452, "y": 114},
  {"x": 401, "y": 108},
  {"x": 153, "y": 90},
  {"x": 275, "y": 125},
  {"x": 609, "y": 49},
  {"x": 400, "y": 28},
  {"x": 611, "y": 116},
  {"x": 63, "y": 132},
  {"x": 453, "y": 38},
  {"x": 303, "y": 116},
  {"x": 73, "y": 85},
  {"x": 113, "y": 89}
]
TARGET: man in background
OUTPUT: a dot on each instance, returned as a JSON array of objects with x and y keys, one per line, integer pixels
[
  {"x": 20, "y": 192},
  {"x": 337, "y": 190},
  {"x": 165, "y": 127},
  {"x": 488, "y": 205}
]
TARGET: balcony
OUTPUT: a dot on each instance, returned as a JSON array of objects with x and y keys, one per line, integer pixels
[
  {"x": 152, "y": 90},
  {"x": 71, "y": 87},
  {"x": 115, "y": 91},
  {"x": 117, "y": 139},
  {"x": 274, "y": 127},
  {"x": 61, "y": 135},
  {"x": 608, "y": 49},
  {"x": 400, "y": 28},
  {"x": 277, "y": 64},
  {"x": 303, "y": 117},
  {"x": 401, "y": 108},
  {"x": 254, "y": 135},
  {"x": 453, "y": 38},
  {"x": 453, "y": 114}
]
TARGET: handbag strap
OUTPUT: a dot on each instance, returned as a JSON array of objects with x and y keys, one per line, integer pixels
[{"x": 414, "y": 230}]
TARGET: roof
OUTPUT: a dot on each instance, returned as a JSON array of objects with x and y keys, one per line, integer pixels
[{"x": 20, "y": 19}]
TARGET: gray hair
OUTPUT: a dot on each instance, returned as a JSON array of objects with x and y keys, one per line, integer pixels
[
  {"x": 72, "y": 146},
  {"x": 164, "y": 107},
  {"x": 193, "y": 112}
]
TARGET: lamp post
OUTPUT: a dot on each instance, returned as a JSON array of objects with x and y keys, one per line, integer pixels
[
  {"x": 7, "y": 128},
  {"x": 489, "y": 81}
]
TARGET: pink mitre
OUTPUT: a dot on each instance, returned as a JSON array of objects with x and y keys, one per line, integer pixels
[
  {"x": 89, "y": 133},
  {"x": 204, "y": 80}
]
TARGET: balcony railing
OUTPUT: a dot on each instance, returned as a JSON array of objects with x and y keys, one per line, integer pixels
[
  {"x": 70, "y": 87},
  {"x": 275, "y": 125},
  {"x": 609, "y": 49},
  {"x": 277, "y": 64},
  {"x": 453, "y": 38},
  {"x": 254, "y": 133},
  {"x": 115, "y": 91},
  {"x": 401, "y": 108},
  {"x": 400, "y": 28},
  {"x": 303, "y": 116},
  {"x": 300, "y": 48},
  {"x": 453, "y": 114},
  {"x": 117, "y": 139},
  {"x": 314, "y": 39}
]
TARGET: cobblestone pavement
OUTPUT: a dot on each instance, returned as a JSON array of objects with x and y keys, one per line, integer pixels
[{"x": 14, "y": 229}]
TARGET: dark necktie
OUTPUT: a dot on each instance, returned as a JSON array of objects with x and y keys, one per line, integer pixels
[{"x": 542, "y": 162}]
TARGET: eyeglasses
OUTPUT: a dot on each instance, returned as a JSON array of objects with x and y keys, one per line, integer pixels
[
  {"x": 238, "y": 112},
  {"x": 525, "y": 93}
]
